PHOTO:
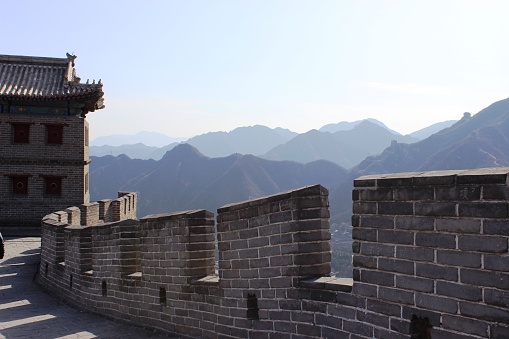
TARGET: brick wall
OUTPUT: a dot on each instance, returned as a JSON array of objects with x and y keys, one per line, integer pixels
[
  {"x": 430, "y": 258},
  {"x": 434, "y": 245},
  {"x": 39, "y": 159}
]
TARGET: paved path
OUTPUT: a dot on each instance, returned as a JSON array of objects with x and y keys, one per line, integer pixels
[{"x": 26, "y": 311}]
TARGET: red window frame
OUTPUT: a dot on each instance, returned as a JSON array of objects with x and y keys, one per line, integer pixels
[
  {"x": 55, "y": 134},
  {"x": 53, "y": 185},
  {"x": 19, "y": 184},
  {"x": 21, "y": 132}
]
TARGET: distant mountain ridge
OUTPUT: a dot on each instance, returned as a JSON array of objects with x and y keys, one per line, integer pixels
[
  {"x": 186, "y": 179},
  {"x": 136, "y": 151},
  {"x": 346, "y": 126},
  {"x": 147, "y": 138},
  {"x": 254, "y": 140},
  {"x": 345, "y": 147},
  {"x": 430, "y": 130}
]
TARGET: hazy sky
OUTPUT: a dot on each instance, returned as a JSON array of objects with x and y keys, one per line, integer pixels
[{"x": 188, "y": 67}]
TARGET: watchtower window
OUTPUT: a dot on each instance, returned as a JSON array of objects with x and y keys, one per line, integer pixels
[
  {"x": 53, "y": 185},
  {"x": 55, "y": 133},
  {"x": 21, "y": 133},
  {"x": 19, "y": 184}
]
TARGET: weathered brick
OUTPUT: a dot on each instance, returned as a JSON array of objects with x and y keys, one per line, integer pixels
[
  {"x": 499, "y": 331},
  {"x": 436, "y": 271},
  {"x": 440, "y": 333},
  {"x": 373, "y": 318},
  {"x": 376, "y": 277},
  {"x": 364, "y": 234},
  {"x": 362, "y": 207},
  {"x": 356, "y": 194},
  {"x": 347, "y": 299},
  {"x": 437, "y": 240},
  {"x": 459, "y": 258},
  {"x": 377, "y": 222},
  {"x": 414, "y": 193},
  {"x": 340, "y": 311},
  {"x": 394, "y": 181},
  {"x": 496, "y": 227},
  {"x": 364, "y": 261},
  {"x": 483, "y": 209},
  {"x": 395, "y": 208},
  {"x": 482, "y": 243},
  {"x": 495, "y": 193},
  {"x": 436, "y": 303},
  {"x": 496, "y": 262},
  {"x": 414, "y": 253},
  {"x": 377, "y": 249},
  {"x": 482, "y": 312},
  {"x": 414, "y": 283},
  {"x": 364, "y": 182},
  {"x": 465, "y": 292},
  {"x": 458, "y": 193},
  {"x": 399, "y": 325},
  {"x": 485, "y": 278},
  {"x": 365, "y": 290},
  {"x": 438, "y": 209},
  {"x": 395, "y": 265},
  {"x": 358, "y": 328},
  {"x": 382, "y": 333},
  {"x": 458, "y": 225},
  {"x": 375, "y": 194},
  {"x": 396, "y": 237},
  {"x": 414, "y": 223},
  {"x": 383, "y": 307},
  {"x": 496, "y": 297},
  {"x": 395, "y": 295}
]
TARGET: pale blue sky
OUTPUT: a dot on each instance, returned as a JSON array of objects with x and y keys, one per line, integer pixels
[{"x": 188, "y": 67}]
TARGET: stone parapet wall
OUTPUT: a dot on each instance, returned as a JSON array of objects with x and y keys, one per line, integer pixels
[
  {"x": 434, "y": 245},
  {"x": 430, "y": 258}
]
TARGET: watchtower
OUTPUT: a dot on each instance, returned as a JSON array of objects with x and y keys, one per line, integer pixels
[{"x": 44, "y": 152}]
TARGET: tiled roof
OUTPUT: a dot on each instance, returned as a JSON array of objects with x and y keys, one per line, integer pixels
[{"x": 38, "y": 78}]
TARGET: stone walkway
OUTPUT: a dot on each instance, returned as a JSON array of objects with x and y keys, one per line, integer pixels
[{"x": 26, "y": 311}]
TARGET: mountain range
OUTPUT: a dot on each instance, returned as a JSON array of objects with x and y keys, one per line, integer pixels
[
  {"x": 147, "y": 138},
  {"x": 185, "y": 178},
  {"x": 345, "y": 147},
  {"x": 345, "y": 143}
]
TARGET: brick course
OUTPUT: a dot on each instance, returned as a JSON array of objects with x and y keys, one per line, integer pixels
[{"x": 436, "y": 252}]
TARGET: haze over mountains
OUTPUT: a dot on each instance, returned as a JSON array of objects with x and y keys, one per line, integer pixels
[
  {"x": 278, "y": 143},
  {"x": 345, "y": 147},
  {"x": 186, "y": 178},
  {"x": 147, "y": 138}
]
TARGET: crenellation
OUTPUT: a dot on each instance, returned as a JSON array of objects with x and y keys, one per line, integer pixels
[
  {"x": 430, "y": 251},
  {"x": 89, "y": 213}
]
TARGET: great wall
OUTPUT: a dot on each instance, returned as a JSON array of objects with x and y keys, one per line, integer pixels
[{"x": 430, "y": 256}]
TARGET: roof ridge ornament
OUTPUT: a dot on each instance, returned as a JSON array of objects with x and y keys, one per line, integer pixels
[
  {"x": 71, "y": 58},
  {"x": 72, "y": 78}
]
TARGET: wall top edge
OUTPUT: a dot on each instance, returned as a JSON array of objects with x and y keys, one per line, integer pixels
[
  {"x": 311, "y": 190},
  {"x": 179, "y": 215},
  {"x": 494, "y": 175}
]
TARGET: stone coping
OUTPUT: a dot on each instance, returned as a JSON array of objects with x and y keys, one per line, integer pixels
[{"x": 328, "y": 283}]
